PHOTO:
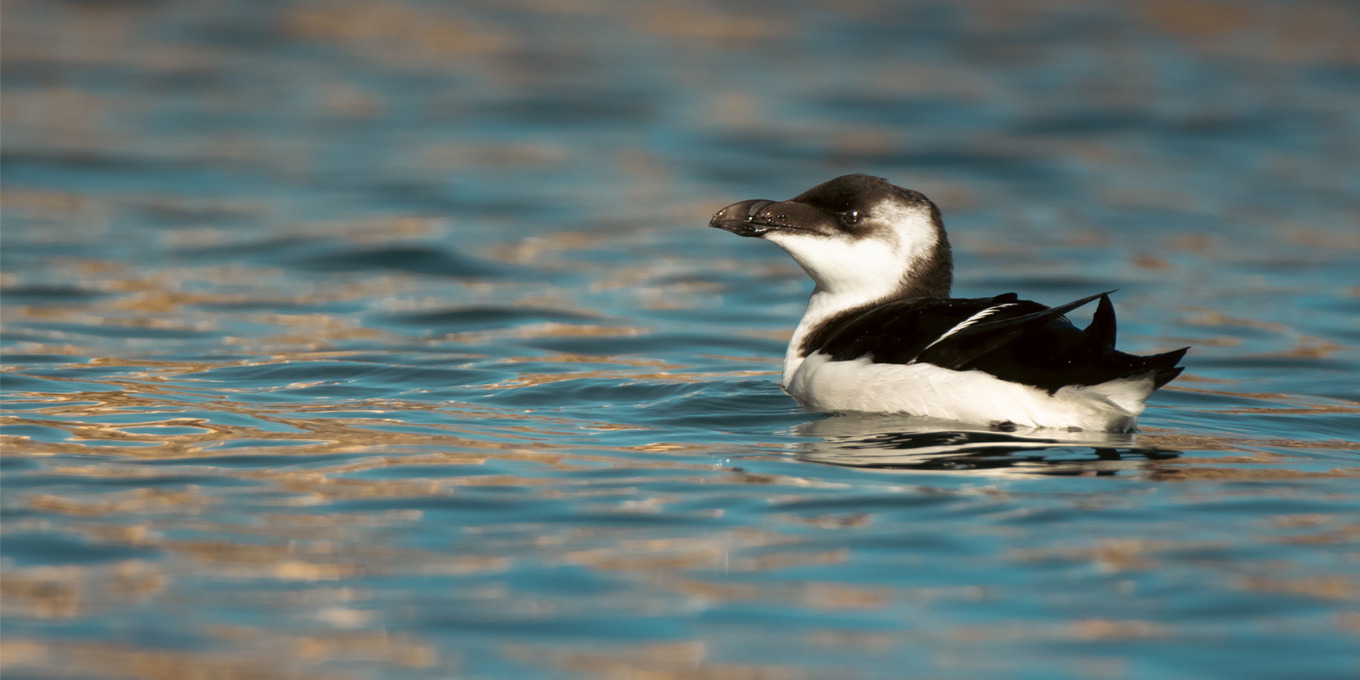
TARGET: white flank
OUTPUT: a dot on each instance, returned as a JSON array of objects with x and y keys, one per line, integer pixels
[{"x": 973, "y": 396}]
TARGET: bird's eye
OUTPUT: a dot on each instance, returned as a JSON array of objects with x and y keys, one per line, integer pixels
[{"x": 849, "y": 217}]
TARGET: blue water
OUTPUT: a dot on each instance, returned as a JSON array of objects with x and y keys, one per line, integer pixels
[{"x": 386, "y": 340}]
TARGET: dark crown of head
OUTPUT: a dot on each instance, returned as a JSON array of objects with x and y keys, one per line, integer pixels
[{"x": 851, "y": 192}]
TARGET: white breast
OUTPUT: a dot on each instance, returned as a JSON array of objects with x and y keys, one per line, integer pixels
[{"x": 928, "y": 390}]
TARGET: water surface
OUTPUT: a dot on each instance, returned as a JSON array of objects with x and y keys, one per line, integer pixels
[{"x": 348, "y": 339}]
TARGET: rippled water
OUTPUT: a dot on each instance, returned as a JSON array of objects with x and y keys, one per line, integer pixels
[{"x": 348, "y": 339}]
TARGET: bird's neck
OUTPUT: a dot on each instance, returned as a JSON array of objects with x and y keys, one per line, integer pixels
[
  {"x": 822, "y": 307},
  {"x": 932, "y": 278}
]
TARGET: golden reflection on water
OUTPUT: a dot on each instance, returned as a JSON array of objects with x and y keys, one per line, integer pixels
[
  {"x": 278, "y": 656},
  {"x": 669, "y": 661}
]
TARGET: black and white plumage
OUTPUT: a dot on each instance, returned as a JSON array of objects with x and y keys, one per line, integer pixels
[{"x": 882, "y": 334}]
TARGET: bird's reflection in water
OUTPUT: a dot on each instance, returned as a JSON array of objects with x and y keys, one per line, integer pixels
[{"x": 904, "y": 442}]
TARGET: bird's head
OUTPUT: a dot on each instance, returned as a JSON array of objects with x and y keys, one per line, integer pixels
[{"x": 856, "y": 236}]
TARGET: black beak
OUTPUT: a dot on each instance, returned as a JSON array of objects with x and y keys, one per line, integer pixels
[
  {"x": 742, "y": 218},
  {"x": 760, "y": 217}
]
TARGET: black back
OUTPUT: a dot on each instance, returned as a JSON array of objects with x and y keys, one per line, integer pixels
[{"x": 1018, "y": 341}]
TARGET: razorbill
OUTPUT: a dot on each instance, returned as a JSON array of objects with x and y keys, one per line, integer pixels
[{"x": 882, "y": 334}]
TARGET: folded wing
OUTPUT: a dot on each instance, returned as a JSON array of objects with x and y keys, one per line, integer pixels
[{"x": 1015, "y": 340}]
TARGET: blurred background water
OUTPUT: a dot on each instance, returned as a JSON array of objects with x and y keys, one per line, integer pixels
[{"x": 385, "y": 339}]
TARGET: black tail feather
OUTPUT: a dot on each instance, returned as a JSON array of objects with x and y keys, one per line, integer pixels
[
  {"x": 1163, "y": 366},
  {"x": 1103, "y": 327}
]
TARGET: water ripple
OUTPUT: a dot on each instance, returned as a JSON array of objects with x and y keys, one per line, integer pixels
[{"x": 353, "y": 339}]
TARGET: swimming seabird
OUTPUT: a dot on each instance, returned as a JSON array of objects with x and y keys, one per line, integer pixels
[{"x": 882, "y": 334}]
